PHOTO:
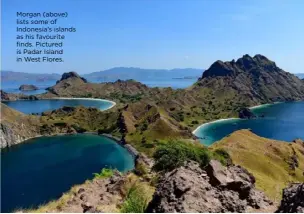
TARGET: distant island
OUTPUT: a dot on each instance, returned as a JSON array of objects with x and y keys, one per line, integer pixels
[{"x": 28, "y": 88}]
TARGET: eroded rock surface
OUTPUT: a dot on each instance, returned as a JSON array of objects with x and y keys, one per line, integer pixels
[
  {"x": 293, "y": 199},
  {"x": 216, "y": 189}
]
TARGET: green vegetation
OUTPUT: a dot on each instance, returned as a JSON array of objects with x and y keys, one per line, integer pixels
[
  {"x": 137, "y": 195},
  {"x": 174, "y": 153},
  {"x": 105, "y": 173},
  {"x": 136, "y": 200},
  {"x": 222, "y": 156}
]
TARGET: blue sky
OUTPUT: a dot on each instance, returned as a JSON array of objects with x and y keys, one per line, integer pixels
[{"x": 164, "y": 33}]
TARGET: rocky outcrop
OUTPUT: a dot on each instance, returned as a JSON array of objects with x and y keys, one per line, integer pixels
[
  {"x": 16, "y": 127},
  {"x": 28, "y": 88},
  {"x": 255, "y": 78},
  {"x": 246, "y": 113},
  {"x": 215, "y": 189},
  {"x": 293, "y": 199},
  {"x": 71, "y": 74}
]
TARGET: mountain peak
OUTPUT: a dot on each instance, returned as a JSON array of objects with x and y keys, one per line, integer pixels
[
  {"x": 246, "y": 63},
  {"x": 71, "y": 74}
]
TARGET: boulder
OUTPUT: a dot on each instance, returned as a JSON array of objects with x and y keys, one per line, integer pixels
[
  {"x": 216, "y": 189},
  {"x": 28, "y": 88},
  {"x": 293, "y": 199}
]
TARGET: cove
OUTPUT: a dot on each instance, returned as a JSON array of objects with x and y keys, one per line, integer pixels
[
  {"x": 281, "y": 121},
  {"x": 41, "y": 169},
  {"x": 39, "y": 106}
]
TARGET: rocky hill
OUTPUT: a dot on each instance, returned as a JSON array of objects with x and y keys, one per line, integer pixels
[
  {"x": 256, "y": 79},
  {"x": 28, "y": 88}
]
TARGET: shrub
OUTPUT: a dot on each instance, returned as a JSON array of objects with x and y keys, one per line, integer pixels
[
  {"x": 136, "y": 200},
  {"x": 141, "y": 169},
  {"x": 60, "y": 124},
  {"x": 222, "y": 156},
  {"x": 174, "y": 153},
  {"x": 105, "y": 173},
  {"x": 194, "y": 122}
]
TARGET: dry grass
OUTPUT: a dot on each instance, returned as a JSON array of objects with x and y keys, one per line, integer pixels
[{"x": 266, "y": 159}]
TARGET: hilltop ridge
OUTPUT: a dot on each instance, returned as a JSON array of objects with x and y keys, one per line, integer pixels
[{"x": 256, "y": 79}]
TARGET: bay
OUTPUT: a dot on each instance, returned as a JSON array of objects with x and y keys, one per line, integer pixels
[
  {"x": 40, "y": 170},
  {"x": 281, "y": 121}
]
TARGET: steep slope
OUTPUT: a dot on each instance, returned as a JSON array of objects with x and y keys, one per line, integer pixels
[
  {"x": 16, "y": 127},
  {"x": 273, "y": 163}
]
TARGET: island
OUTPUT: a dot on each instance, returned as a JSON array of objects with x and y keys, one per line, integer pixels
[
  {"x": 28, "y": 87},
  {"x": 173, "y": 171}
]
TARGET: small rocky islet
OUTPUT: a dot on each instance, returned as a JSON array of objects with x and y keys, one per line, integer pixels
[
  {"x": 28, "y": 88},
  {"x": 146, "y": 118}
]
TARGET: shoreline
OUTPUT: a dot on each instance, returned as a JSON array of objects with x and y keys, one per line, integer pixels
[
  {"x": 264, "y": 105},
  {"x": 131, "y": 150},
  {"x": 233, "y": 118},
  {"x": 84, "y": 98},
  {"x": 211, "y": 122},
  {"x": 70, "y": 98}
]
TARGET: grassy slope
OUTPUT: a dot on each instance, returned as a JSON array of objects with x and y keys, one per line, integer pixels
[
  {"x": 116, "y": 204},
  {"x": 266, "y": 159}
]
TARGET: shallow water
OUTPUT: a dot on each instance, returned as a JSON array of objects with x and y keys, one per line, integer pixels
[
  {"x": 282, "y": 121},
  {"x": 41, "y": 169},
  {"x": 38, "y": 106}
]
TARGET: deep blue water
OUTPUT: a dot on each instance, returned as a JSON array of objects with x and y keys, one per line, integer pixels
[
  {"x": 41, "y": 169},
  {"x": 282, "y": 121},
  {"x": 38, "y": 106}
]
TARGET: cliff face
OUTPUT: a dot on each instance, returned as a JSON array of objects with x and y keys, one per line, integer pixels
[
  {"x": 16, "y": 127},
  {"x": 255, "y": 78}
]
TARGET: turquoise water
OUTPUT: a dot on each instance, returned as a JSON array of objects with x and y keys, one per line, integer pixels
[
  {"x": 41, "y": 169},
  {"x": 38, "y": 106},
  {"x": 282, "y": 121}
]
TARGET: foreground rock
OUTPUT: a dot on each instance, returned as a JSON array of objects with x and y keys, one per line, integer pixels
[
  {"x": 216, "y": 189},
  {"x": 293, "y": 199},
  {"x": 28, "y": 88}
]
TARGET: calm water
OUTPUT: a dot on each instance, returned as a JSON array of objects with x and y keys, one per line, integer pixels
[
  {"x": 38, "y": 106},
  {"x": 283, "y": 121},
  {"x": 41, "y": 169},
  {"x": 13, "y": 86}
]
